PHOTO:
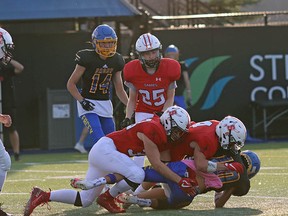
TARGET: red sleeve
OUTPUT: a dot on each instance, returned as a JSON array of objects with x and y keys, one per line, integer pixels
[
  {"x": 129, "y": 71},
  {"x": 208, "y": 146},
  {"x": 174, "y": 70},
  {"x": 155, "y": 134}
]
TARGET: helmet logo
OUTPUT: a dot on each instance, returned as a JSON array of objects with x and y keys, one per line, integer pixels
[
  {"x": 147, "y": 42},
  {"x": 231, "y": 127},
  {"x": 172, "y": 112}
]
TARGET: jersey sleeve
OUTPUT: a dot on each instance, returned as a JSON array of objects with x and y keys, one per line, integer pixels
[
  {"x": 128, "y": 72},
  {"x": 183, "y": 66},
  {"x": 175, "y": 70},
  {"x": 8, "y": 70},
  {"x": 80, "y": 58},
  {"x": 153, "y": 132},
  {"x": 120, "y": 62}
]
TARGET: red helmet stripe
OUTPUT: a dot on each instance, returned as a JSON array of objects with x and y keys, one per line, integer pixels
[{"x": 149, "y": 44}]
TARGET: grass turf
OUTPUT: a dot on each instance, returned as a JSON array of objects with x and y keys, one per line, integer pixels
[{"x": 268, "y": 194}]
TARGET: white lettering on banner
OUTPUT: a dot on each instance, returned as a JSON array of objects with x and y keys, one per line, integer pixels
[
  {"x": 277, "y": 73},
  {"x": 270, "y": 92},
  {"x": 257, "y": 68}
]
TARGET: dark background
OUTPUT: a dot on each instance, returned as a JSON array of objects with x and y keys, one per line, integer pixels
[{"x": 49, "y": 60}]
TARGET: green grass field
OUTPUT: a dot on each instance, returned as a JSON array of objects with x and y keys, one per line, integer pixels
[{"x": 268, "y": 194}]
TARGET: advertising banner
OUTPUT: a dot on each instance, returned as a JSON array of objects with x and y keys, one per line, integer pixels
[{"x": 232, "y": 69}]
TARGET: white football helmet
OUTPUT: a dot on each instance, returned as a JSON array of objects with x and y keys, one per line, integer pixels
[
  {"x": 231, "y": 132},
  {"x": 176, "y": 121},
  {"x": 6, "y": 44},
  {"x": 145, "y": 43}
]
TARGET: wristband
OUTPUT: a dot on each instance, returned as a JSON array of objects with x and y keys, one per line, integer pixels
[{"x": 212, "y": 167}]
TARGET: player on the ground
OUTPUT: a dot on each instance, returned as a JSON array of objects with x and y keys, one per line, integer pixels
[
  {"x": 111, "y": 154},
  {"x": 202, "y": 142},
  {"x": 227, "y": 183},
  {"x": 98, "y": 68},
  {"x": 234, "y": 184},
  {"x": 151, "y": 80},
  {"x": 6, "y": 44}
]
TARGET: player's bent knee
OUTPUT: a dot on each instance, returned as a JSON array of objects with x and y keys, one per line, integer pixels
[
  {"x": 5, "y": 162},
  {"x": 135, "y": 177}
]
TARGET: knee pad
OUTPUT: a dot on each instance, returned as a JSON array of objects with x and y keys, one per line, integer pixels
[
  {"x": 5, "y": 161},
  {"x": 133, "y": 185},
  {"x": 78, "y": 201},
  {"x": 136, "y": 174}
]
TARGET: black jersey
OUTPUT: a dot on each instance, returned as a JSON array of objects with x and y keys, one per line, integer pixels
[
  {"x": 8, "y": 88},
  {"x": 240, "y": 182},
  {"x": 97, "y": 78},
  {"x": 181, "y": 83}
]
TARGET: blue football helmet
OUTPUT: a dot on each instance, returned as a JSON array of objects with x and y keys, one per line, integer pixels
[
  {"x": 104, "y": 40},
  {"x": 252, "y": 162},
  {"x": 172, "y": 49},
  {"x": 172, "y": 52}
]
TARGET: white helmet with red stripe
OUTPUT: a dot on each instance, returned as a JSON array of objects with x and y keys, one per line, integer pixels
[
  {"x": 231, "y": 132},
  {"x": 148, "y": 43},
  {"x": 6, "y": 44}
]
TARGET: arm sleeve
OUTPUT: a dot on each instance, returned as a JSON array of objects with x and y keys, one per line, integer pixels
[
  {"x": 121, "y": 63},
  {"x": 79, "y": 59}
]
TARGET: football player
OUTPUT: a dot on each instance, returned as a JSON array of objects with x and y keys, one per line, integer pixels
[
  {"x": 97, "y": 68},
  {"x": 233, "y": 183},
  {"x": 184, "y": 82},
  {"x": 203, "y": 141},
  {"x": 8, "y": 69},
  {"x": 151, "y": 80},
  {"x": 226, "y": 183},
  {"x": 6, "y": 44},
  {"x": 111, "y": 154}
]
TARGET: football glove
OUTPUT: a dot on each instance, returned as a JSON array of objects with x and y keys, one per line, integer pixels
[
  {"x": 188, "y": 186},
  {"x": 87, "y": 105},
  {"x": 235, "y": 166},
  {"x": 126, "y": 122}
]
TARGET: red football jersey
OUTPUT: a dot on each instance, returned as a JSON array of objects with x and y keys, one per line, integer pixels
[
  {"x": 204, "y": 134},
  {"x": 151, "y": 89},
  {"x": 127, "y": 142}
]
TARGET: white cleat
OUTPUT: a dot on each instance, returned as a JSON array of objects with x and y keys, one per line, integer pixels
[
  {"x": 85, "y": 184},
  {"x": 127, "y": 199},
  {"x": 80, "y": 148}
]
